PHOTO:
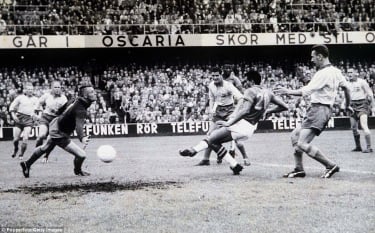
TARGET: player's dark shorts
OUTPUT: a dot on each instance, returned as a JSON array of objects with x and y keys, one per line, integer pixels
[
  {"x": 46, "y": 119},
  {"x": 223, "y": 112},
  {"x": 360, "y": 108},
  {"x": 317, "y": 117},
  {"x": 59, "y": 138},
  {"x": 24, "y": 121},
  {"x": 61, "y": 142}
]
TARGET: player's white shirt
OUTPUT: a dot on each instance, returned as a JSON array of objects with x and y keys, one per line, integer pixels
[
  {"x": 24, "y": 104},
  {"x": 358, "y": 89},
  {"x": 223, "y": 95},
  {"x": 324, "y": 85},
  {"x": 52, "y": 103}
]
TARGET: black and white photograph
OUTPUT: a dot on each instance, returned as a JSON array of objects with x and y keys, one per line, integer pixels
[{"x": 187, "y": 116}]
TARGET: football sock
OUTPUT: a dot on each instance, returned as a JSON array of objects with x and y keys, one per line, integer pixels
[
  {"x": 316, "y": 154},
  {"x": 23, "y": 148},
  {"x": 357, "y": 140},
  {"x": 39, "y": 142},
  {"x": 207, "y": 154},
  {"x": 35, "y": 156},
  {"x": 78, "y": 163},
  {"x": 223, "y": 153},
  {"x": 15, "y": 147},
  {"x": 368, "y": 140},
  {"x": 201, "y": 146},
  {"x": 298, "y": 159},
  {"x": 49, "y": 150},
  {"x": 230, "y": 160}
]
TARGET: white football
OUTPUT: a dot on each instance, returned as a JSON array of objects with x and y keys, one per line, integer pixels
[{"x": 106, "y": 153}]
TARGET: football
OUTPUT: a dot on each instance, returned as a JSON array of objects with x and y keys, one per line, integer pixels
[{"x": 106, "y": 153}]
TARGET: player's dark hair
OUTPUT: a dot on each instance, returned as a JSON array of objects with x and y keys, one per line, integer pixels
[
  {"x": 227, "y": 70},
  {"x": 83, "y": 86},
  {"x": 321, "y": 49},
  {"x": 254, "y": 76},
  {"x": 215, "y": 69}
]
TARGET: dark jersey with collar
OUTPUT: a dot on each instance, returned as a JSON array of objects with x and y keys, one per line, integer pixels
[
  {"x": 73, "y": 118},
  {"x": 260, "y": 99}
]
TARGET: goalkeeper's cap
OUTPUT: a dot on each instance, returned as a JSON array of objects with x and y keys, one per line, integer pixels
[{"x": 82, "y": 86}]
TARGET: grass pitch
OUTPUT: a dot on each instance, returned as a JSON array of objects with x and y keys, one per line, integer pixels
[{"x": 150, "y": 188}]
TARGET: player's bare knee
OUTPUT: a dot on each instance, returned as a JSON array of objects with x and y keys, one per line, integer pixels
[
  {"x": 42, "y": 136},
  {"x": 298, "y": 147},
  {"x": 301, "y": 146},
  {"x": 354, "y": 129},
  {"x": 366, "y": 131},
  {"x": 239, "y": 144},
  {"x": 81, "y": 154},
  {"x": 16, "y": 138},
  {"x": 73, "y": 149},
  {"x": 312, "y": 151},
  {"x": 294, "y": 139}
]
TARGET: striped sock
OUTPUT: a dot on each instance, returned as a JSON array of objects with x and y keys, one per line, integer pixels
[{"x": 223, "y": 153}]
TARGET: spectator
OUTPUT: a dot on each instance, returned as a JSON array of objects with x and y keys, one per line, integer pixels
[
  {"x": 106, "y": 15},
  {"x": 3, "y": 26}
]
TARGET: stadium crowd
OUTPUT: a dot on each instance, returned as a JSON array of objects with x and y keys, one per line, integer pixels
[
  {"x": 160, "y": 93},
  {"x": 52, "y": 17}
]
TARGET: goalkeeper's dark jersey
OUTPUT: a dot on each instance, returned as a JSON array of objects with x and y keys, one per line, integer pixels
[{"x": 73, "y": 118}]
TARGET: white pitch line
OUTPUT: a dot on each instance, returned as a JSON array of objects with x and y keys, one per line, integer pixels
[{"x": 313, "y": 168}]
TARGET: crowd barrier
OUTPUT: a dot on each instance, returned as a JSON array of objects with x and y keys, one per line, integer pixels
[{"x": 183, "y": 128}]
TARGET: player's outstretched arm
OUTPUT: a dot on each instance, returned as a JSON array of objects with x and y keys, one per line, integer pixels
[
  {"x": 286, "y": 91},
  {"x": 279, "y": 106},
  {"x": 369, "y": 93}
]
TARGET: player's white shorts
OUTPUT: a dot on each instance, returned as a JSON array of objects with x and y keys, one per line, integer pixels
[{"x": 242, "y": 130}]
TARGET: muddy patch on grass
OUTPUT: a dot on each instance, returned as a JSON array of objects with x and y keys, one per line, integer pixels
[{"x": 93, "y": 187}]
